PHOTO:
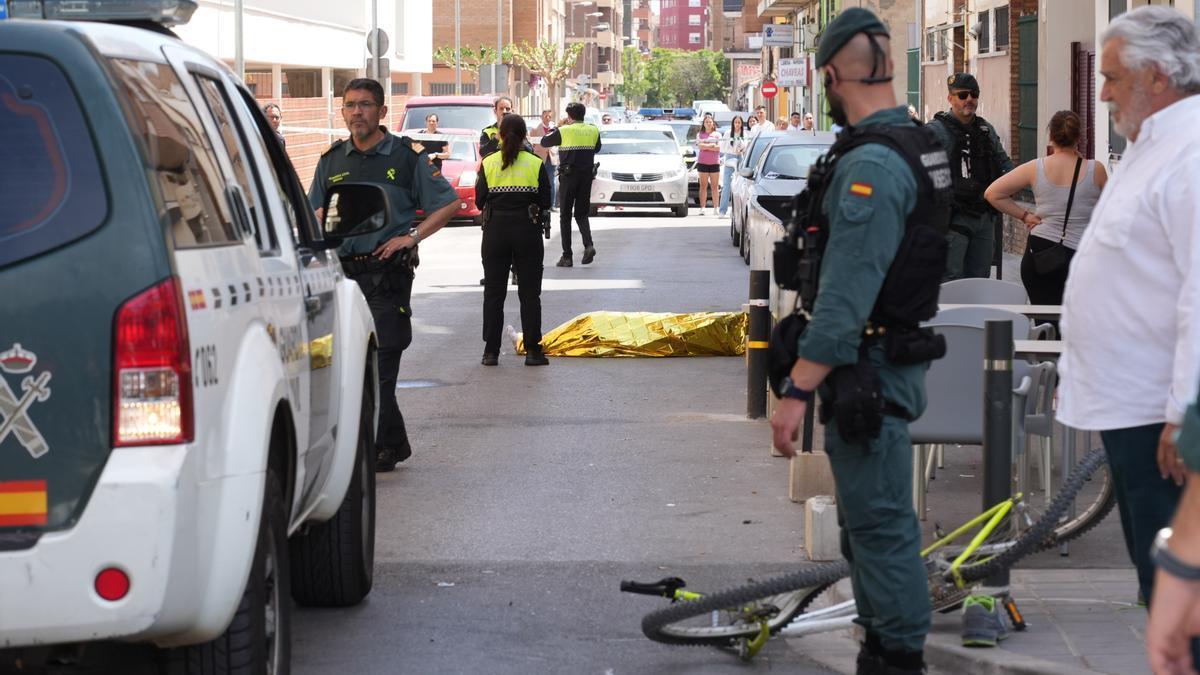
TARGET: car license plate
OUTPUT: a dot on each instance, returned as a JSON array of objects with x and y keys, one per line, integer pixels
[{"x": 639, "y": 188}]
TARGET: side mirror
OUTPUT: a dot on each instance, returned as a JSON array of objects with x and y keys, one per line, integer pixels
[
  {"x": 746, "y": 173},
  {"x": 355, "y": 209}
]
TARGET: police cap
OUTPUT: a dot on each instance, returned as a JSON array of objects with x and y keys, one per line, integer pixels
[
  {"x": 841, "y": 30},
  {"x": 962, "y": 81}
]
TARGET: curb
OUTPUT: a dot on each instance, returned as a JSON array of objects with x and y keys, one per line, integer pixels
[{"x": 944, "y": 652}]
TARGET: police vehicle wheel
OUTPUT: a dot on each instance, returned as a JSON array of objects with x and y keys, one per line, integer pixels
[
  {"x": 259, "y": 639},
  {"x": 734, "y": 236},
  {"x": 681, "y": 211},
  {"x": 335, "y": 560},
  {"x": 744, "y": 249}
]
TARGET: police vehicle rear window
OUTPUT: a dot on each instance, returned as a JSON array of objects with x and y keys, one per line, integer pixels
[{"x": 51, "y": 187}]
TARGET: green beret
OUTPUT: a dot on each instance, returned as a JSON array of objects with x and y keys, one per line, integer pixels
[
  {"x": 962, "y": 81},
  {"x": 849, "y": 23}
]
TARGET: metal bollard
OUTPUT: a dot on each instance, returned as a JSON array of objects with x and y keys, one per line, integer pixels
[
  {"x": 757, "y": 342},
  {"x": 997, "y": 421}
]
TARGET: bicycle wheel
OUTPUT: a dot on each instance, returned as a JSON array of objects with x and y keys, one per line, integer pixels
[
  {"x": 1093, "y": 501},
  {"x": 1041, "y": 534},
  {"x": 723, "y": 618}
]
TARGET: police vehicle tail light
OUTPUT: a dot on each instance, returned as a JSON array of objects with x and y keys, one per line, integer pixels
[
  {"x": 467, "y": 178},
  {"x": 152, "y": 370},
  {"x": 165, "y": 12}
]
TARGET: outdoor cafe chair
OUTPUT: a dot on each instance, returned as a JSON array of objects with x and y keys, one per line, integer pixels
[{"x": 982, "y": 292}]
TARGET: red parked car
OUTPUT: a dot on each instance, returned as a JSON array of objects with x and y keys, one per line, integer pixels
[{"x": 460, "y": 169}]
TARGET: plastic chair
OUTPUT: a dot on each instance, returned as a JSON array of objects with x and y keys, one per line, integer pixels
[
  {"x": 982, "y": 292},
  {"x": 954, "y": 409},
  {"x": 1038, "y": 422},
  {"x": 979, "y": 316}
]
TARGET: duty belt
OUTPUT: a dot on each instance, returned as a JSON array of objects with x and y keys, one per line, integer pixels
[{"x": 366, "y": 263}]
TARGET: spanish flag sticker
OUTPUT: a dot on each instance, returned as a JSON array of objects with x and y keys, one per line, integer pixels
[
  {"x": 22, "y": 502},
  {"x": 861, "y": 189}
]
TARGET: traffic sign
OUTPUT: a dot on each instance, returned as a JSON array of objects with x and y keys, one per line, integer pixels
[{"x": 769, "y": 89}]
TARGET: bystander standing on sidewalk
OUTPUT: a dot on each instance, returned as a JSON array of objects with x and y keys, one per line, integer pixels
[
  {"x": 1131, "y": 355},
  {"x": 275, "y": 116},
  {"x": 1064, "y": 184},
  {"x": 734, "y": 146},
  {"x": 547, "y": 154}
]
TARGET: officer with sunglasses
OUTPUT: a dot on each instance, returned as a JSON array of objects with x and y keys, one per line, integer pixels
[{"x": 976, "y": 159}]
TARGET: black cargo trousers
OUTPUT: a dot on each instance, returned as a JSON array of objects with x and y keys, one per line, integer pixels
[
  {"x": 575, "y": 193},
  {"x": 511, "y": 238},
  {"x": 389, "y": 296}
]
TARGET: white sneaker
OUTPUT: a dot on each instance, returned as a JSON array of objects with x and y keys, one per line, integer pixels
[{"x": 702, "y": 212}]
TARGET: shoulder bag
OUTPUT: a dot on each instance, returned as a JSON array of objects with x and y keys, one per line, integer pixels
[{"x": 1050, "y": 260}]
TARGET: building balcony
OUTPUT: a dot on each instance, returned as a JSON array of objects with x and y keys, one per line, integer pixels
[
  {"x": 770, "y": 9},
  {"x": 610, "y": 4},
  {"x": 609, "y": 79},
  {"x": 607, "y": 38}
]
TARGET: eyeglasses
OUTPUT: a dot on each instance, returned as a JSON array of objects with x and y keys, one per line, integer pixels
[
  {"x": 969, "y": 93},
  {"x": 361, "y": 105}
]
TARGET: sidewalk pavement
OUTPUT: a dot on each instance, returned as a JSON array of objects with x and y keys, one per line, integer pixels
[{"x": 1078, "y": 621}]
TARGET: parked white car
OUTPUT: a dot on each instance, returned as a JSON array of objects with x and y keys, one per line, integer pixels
[{"x": 640, "y": 167}]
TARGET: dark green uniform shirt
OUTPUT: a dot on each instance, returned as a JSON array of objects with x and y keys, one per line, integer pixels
[
  {"x": 869, "y": 197},
  {"x": 411, "y": 184}
]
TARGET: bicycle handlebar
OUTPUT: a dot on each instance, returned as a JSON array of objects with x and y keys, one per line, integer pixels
[{"x": 664, "y": 587}]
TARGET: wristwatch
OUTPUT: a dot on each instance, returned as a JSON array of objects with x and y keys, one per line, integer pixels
[
  {"x": 1165, "y": 560},
  {"x": 415, "y": 235},
  {"x": 790, "y": 390}
]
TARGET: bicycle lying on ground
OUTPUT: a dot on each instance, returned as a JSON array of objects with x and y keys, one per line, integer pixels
[{"x": 744, "y": 618}]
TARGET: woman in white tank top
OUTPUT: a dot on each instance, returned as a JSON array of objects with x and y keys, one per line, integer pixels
[{"x": 1050, "y": 178}]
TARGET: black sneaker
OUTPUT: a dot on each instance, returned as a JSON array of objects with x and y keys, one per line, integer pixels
[
  {"x": 490, "y": 359},
  {"x": 564, "y": 261},
  {"x": 385, "y": 460},
  {"x": 589, "y": 254},
  {"x": 536, "y": 359}
]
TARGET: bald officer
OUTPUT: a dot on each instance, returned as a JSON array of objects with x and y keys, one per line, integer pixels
[
  {"x": 381, "y": 263},
  {"x": 880, "y": 202}
]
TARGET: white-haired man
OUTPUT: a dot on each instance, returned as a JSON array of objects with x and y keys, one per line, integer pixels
[{"x": 1132, "y": 349}]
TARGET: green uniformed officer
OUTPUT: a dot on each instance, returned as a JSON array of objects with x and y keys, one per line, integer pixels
[
  {"x": 513, "y": 189},
  {"x": 381, "y": 263},
  {"x": 865, "y": 200},
  {"x": 976, "y": 159},
  {"x": 578, "y": 144}
]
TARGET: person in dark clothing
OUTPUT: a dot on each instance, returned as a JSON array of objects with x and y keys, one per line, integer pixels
[
  {"x": 275, "y": 116},
  {"x": 513, "y": 189},
  {"x": 489, "y": 137},
  {"x": 578, "y": 144},
  {"x": 437, "y": 150},
  {"x": 381, "y": 263}
]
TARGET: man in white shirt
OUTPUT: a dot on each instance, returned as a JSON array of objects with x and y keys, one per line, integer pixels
[
  {"x": 1132, "y": 349},
  {"x": 760, "y": 114},
  {"x": 794, "y": 125}
]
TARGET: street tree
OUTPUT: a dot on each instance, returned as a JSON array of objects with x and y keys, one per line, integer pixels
[
  {"x": 657, "y": 71},
  {"x": 473, "y": 59},
  {"x": 634, "y": 73},
  {"x": 547, "y": 61},
  {"x": 695, "y": 77}
]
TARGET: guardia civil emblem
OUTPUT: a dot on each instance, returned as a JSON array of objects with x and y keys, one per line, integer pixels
[{"x": 14, "y": 410}]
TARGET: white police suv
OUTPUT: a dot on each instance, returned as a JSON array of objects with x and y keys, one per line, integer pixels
[{"x": 187, "y": 379}]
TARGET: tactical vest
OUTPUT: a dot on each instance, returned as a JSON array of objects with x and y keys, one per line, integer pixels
[
  {"x": 910, "y": 289},
  {"x": 973, "y": 161},
  {"x": 578, "y": 143},
  {"x": 520, "y": 176}
]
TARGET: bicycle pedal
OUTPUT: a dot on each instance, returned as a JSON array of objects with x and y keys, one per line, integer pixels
[{"x": 1014, "y": 614}]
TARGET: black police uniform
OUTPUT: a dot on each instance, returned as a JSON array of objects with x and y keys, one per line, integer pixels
[
  {"x": 411, "y": 184},
  {"x": 514, "y": 199},
  {"x": 579, "y": 143}
]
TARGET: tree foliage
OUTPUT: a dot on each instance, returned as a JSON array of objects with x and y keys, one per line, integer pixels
[
  {"x": 473, "y": 59},
  {"x": 674, "y": 77},
  {"x": 546, "y": 60}
]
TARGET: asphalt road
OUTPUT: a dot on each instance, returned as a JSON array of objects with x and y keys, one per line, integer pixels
[{"x": 533, "y": 491}]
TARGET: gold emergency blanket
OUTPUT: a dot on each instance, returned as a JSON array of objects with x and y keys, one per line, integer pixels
[{"x": 647, "y": 334}]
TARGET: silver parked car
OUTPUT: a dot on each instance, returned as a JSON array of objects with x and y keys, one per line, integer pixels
[
  {"x": 739, "y": 182},
  {"x": 779, "y": 176}
]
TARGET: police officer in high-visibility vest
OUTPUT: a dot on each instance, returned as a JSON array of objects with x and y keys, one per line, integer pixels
[
  {"x": 513, "y": 189},
  {"x": 865, "y": 251},
  {"x": 578, "y": 144},
  {"x": 489, "y": 137}
]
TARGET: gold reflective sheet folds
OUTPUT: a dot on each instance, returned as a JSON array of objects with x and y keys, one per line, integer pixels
[{"x": 647, "y": 334}]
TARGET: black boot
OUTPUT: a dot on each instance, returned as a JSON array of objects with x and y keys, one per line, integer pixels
[
  {"x": 589, "y": 254},
  {"x": 564, "y": 261},
  {"x": 535, "y": 357},
  {"x": 490, "y": 359},
  {"x": 870, "y": 657},
  {"x": 903, "y": 663}
]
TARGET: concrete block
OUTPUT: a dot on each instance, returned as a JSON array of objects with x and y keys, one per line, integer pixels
[
  {"x": 821, "y": 529},
  {"x": 810, "y": 475}
]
